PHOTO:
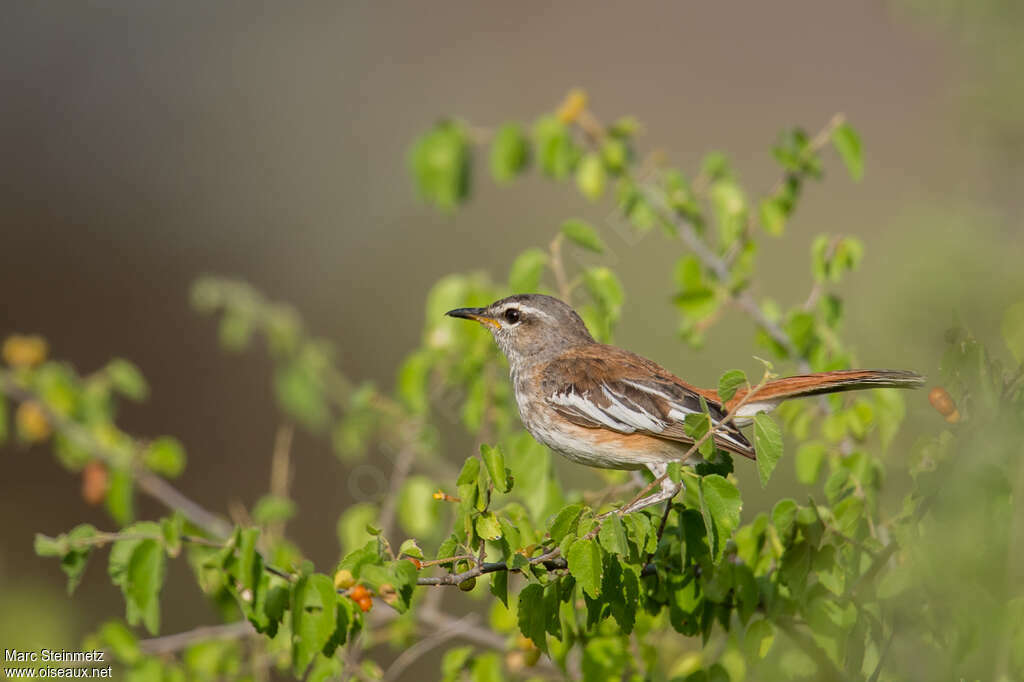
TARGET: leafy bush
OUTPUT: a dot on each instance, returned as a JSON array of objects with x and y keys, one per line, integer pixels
[{"x": 834, "y": 586}]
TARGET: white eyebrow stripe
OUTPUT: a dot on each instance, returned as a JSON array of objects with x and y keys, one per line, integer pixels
[{"x": 528, "y": 309}]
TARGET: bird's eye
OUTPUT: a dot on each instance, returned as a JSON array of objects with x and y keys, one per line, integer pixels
[{"x": 512, "y": 315}]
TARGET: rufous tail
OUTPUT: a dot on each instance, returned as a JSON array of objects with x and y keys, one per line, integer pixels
[{"x": 804, "y": 385}]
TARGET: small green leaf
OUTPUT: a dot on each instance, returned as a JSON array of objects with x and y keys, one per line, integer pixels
[
  {"x": 847, "y": 143},
  {"x": 418, "y": 511},
  {"x": 808, "y": 462},
  {"x": 557, "y": 153},
  {"x": 612, "y": 536},
  {"x": 526, "y": 270},
  {"x": 1012, "y": 329},
  {"x": 532, "y": 615},
  {"x": 583, "y": 234},
  {"x": 773, "y": 216},
  {"x": 487, "y": 526},
  {"x": 120, "y": 642},
  {"x": 126, "y": 379},
  {"x": 272, "y": 509},
  {"x": 585, "y": 564},
  {"x": 120, "y": 497},
  {"x": 143, "y": 581},
  {"x": 165, "y": 456},
  {"x": 494, "y": 460},
  {"x": 469, "y": 483},
  {"x": 729, "y": 382},
  {"x": 314, "y": 618},
  {"x": 440, "y": 163},
  {"x": 565, "y": 522},
  {"x": 720, "y": 506},
  {"x": 510, "y": 153},
  {"x": 759, "y": 638},
  {"x": 591, "y": 176},
  {"x": 768, "y": 445}
]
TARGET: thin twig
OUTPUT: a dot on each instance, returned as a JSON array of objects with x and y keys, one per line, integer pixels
[
  {"x": 280, "y": 472},
  {"x": 169, "y": 644},
  {"x": 443, "y": 633},
  {"x": 558, "y": 268},
  {"x": 399, "y": 472}
]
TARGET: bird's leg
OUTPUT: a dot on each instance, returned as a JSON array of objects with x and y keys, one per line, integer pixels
[{"x": 668, "y": 490}]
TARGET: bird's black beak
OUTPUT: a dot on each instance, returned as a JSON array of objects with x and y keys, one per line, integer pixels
[{"x": 478, "y": 314}]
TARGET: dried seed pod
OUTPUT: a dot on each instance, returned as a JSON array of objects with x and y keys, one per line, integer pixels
[{"x": 943, "y": 404}]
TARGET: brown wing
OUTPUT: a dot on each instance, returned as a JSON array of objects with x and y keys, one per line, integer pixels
[{"x": 603, "y": 387}]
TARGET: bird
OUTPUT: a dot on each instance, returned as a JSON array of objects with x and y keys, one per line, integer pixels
[{"x": 606, "y": 407}]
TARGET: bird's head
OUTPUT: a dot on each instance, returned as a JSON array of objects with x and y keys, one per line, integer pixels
[{"x": 529, "y": 326}]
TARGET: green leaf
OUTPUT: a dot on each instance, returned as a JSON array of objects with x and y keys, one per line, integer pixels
[
  {"x": 314, "y": 618},
  {"x": 120, "y": 642},
  {"x": 729, "y": 382},
  {"x": 565, "y": 522},
  {"x": 74, "y": 561},
  {"x": 612, "y": 535},
  {"x": 143, "y": 581},
  {"x": 126, "y": 379},
  {"x": 808, "y": 462},
  {"x": 583, "y": 235},
  {"x": 440, "y": 163},
  {"x": 557, "y": 153},
  {"x": 469, "y": 483},
  {"x": 532, "y": 615},
  {"x": 250, "y": 563},
  {"x": 585, "y": 564},
  {"x": 720, "y": 506},
  {"x": 591, "y": 176},
  {"x": 525, "y": 273},
  {"x": 272, "y": 509},
  {"x": 604, "y": 287},
  {"x": 487, "y": 526},
  {"x": 300, "y": 392},
  {"x": 768, "y": 445},
  {"x": 418, "y": 511},
  {"x": 120, "y": 498},
  {"x": 499, "y": 586},
  {"x": 352, "y": 526},
  {"x": 773, "y": 216},
  {"x": 165, "y": 456},
  {"x": 1012, "y": 329},
  {"x": 784, "y": 516},
  {"x": 847, "y": 143},
  {"x": 454, "y": 662},
  {"x": 510, "y": 153},
  {"x": 759, "y": 638},
  {"x": 494, "y": 460}
]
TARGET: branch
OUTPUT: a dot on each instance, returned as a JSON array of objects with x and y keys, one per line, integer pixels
[
  {"x": 400, "y": 471},
  {"x": 169, "y": 644},
  {"x": 449, "y": 630}
]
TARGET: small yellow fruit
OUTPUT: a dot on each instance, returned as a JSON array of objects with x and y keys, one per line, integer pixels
[
  {"x": 344, "y": 579},
  {"x": 24, "y": 351},
  {"x": 531, "y": 657},
  {"x": 575, "y": 103},
  {"x": 32, "y": 422}
]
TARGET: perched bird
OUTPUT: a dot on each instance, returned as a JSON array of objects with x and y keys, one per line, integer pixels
[{"x": 606, "y": 407}]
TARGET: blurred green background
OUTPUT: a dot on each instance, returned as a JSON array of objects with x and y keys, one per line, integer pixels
[{"x": 147, "y": 144}]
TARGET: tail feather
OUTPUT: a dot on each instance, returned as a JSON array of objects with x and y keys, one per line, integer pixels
[{"x": 774, "y": 392}]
